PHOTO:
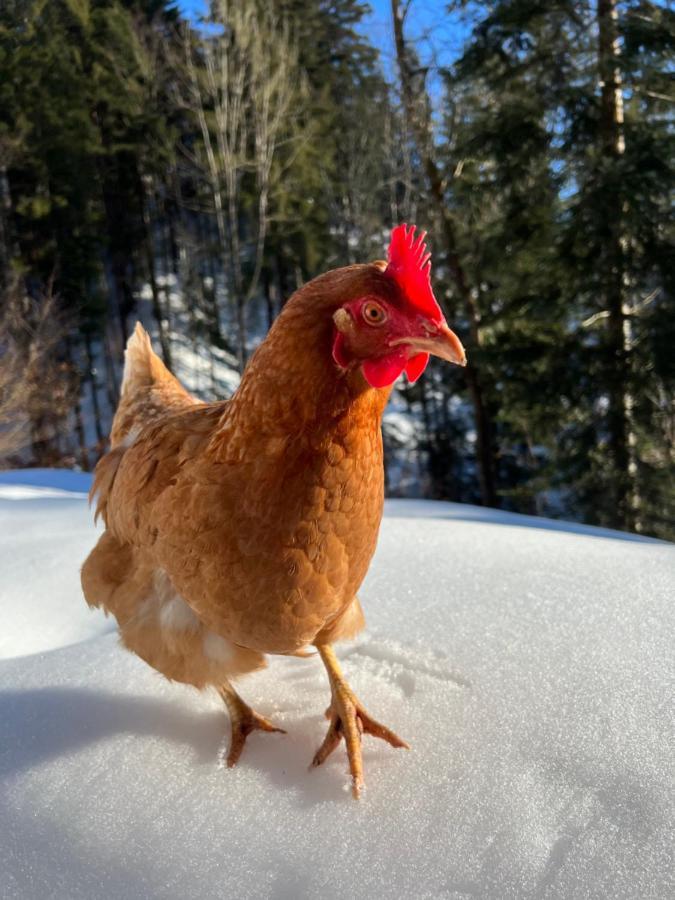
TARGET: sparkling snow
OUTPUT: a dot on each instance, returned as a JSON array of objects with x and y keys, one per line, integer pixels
[{"x": 529, "y": 664}]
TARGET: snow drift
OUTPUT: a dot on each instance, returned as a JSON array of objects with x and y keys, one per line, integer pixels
[{"x": 528, "y": 663}]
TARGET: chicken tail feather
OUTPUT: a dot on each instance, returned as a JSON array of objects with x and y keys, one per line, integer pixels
[{"x": 149, "y": 390}]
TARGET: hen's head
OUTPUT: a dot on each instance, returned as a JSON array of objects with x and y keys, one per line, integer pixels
[{"x": 395, "y": 322}]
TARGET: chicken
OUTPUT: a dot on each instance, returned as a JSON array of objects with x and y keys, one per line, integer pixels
[{"x": 245, "y": 528}]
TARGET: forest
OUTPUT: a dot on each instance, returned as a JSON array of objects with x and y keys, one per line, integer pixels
[{"x": 193, "y": 171}]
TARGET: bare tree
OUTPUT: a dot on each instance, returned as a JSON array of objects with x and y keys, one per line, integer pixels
[
  {"x": 242, "y": 83},
  {"x": 38, "y": 390}
]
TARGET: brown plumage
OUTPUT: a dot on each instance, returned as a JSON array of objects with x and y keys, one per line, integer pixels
[{"x": 243, "y": 528}]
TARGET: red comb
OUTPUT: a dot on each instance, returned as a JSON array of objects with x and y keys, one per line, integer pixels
[{"x": 410, "y": 267}]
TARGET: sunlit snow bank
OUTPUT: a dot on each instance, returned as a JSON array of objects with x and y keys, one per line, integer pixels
[{"x": 531, "y": 670}]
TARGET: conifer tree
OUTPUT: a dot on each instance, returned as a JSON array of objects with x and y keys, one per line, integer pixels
[{"x": 563, "y": 152}]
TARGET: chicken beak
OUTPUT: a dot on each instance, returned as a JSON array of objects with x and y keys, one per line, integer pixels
[
  {"x": 444, "y": 344},
  {"x": 448, "y": 346}
]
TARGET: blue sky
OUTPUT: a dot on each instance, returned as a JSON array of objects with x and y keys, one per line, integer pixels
[
  {"x": 428, "y": 23},
  {"x": 440, "y": 37}
]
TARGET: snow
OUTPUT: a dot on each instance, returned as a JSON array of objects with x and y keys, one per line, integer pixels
[{"x": 529, "y": 667}]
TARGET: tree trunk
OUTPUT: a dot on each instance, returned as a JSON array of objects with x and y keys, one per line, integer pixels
[
  {"x": 6, "y": 249},
  {"x": 110, "y": 357},
  {"x": 417, "y": 107},
  {"x": 622, "y": 440},
  {"x": 236, "y": 274},
  {"x": 241, "y": 334},
  {"x": 149, "y": 249},
  {"x": 171, "y": 214},
  {"x": 73, "y": 372},
  {"x": 94, "y": 388},
  {"x": 268, "y": 289},
  {"x": 209, "y": 295}
]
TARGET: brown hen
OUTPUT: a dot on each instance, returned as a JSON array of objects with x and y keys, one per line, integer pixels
[{"x": 245, "y": 528}]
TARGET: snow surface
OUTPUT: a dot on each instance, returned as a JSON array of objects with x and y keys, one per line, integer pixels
[{"x": 531, "y": 668}]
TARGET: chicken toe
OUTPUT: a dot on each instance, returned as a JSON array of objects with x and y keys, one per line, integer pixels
[
  {"x": 350, "y": 720},
  {"x": 243, "y": 720}
]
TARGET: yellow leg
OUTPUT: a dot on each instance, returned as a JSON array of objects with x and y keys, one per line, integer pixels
[
  {"x": 348, "y": 719},
  {"x": 243, "y": 720}
]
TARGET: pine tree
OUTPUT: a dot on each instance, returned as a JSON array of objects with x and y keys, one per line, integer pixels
[{"x": 563, "y": 153}]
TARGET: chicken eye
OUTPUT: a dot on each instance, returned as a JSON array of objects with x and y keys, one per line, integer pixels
[{"x": 373, "y": 313}]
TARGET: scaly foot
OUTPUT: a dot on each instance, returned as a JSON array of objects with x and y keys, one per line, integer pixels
[
  {"x": 349, "y": 719},
  {"x": 243, "y": 720}
]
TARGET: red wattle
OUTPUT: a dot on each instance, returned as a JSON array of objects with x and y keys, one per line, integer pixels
[
  {"x": 384, "y": 371},
  {"x": 415, "y": 366}
]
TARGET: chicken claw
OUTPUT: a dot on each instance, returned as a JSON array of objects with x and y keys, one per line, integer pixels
[
  {"x": 348, "y": 719},
  {"x": 243, "y": 720}
]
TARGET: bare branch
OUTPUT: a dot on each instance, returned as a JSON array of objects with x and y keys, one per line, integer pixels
[
  {"x": 36, "y": 387},
  {"x": 243, "y": 85}
]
